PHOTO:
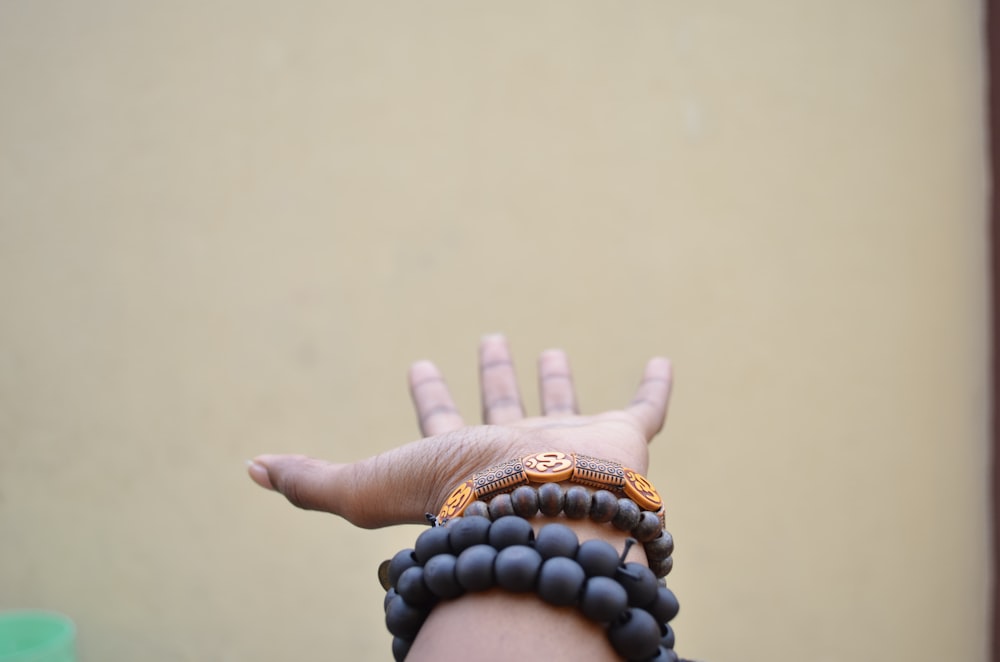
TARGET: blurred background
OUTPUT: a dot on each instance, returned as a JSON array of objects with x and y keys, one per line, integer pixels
[{"x": 227, "y": 228}]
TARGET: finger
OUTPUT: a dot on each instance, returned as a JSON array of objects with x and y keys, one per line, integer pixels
[
  {"x": 436, "y": 410},
  {"x": 649, "y": 406},
  {"x": 306, "y": 482},
  {"x": 500, "y": 395},
  {"x": 555, "y": 384}
]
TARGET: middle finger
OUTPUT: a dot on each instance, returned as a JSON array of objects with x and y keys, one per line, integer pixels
[{"x": 501, "y": 397}]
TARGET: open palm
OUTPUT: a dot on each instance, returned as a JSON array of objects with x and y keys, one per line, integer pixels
[{"x": 401, "y": 485}]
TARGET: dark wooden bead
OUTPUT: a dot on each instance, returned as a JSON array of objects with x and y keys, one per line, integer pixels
[
  {"x": 551, "y": 498},
  {"x": 439, "y": 575},
  {"x": 560, "y": 581},
  {"x": 639, "y": 582},
  {"x": 635, "y": 635},
  {"x": 627, "y": 517},
  {"x": 413, "y": 589},
  {"x": 648, "y": 527},
  {"x": 474, "y": 568},
  {"x": 603, "y": 506},
  {"x": 665, "y": 606},
  {"x": 525, "y": 501},
  {"x": 603, "y": 599},
  {"x": 389, "y": 595},
  {"x": 667, "y": 640},
  {"x": 556, "y": 540},
  {"x": 501, "y": 506},
  {"x": 400, "y": 648},
  {"x": 662, "y": 568},
  {"x": 598, "y": 558},
  {"x": 577, "y": 505},
  {"x": 510, "y": 530},
  {"x": 403, "y": 559},
  {"x": 468, "y": 531},
  {"x": 659, "y": 548},
  {"x": 517, "y": 568},
  {"x": 403, "y": 619},
  {"x": 432, "y": 542},
  {"x": 662, "y": 655},
  {"x": 477, "y": 508}
]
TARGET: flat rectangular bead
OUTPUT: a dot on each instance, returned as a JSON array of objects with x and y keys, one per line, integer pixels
[
  {"x": 596, "y": 472},
  {"x": 499, "y": 479}
]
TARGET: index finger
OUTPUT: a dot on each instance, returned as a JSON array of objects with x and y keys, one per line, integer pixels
[{"x": 649, "y": 406}]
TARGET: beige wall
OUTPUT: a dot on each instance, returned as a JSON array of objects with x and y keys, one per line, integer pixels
[{"x": 227, "y": 228}]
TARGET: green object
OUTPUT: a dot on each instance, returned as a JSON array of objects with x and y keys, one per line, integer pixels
[{"x": 36, "y": 636}]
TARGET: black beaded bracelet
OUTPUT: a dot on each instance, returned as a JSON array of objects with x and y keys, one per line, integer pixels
[
  {"x": 474, "y": 554},
  {"x": 578, "y": 502}
]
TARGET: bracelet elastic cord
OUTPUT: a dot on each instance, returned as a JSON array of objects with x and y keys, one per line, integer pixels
[{"x": 473, "y": 554}]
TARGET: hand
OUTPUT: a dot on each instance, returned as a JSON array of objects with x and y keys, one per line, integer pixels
[{"x": 401, "y": 485}]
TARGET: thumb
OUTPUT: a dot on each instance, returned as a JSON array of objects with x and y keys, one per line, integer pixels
[
  {"x": 306, "y": 482},
  {"x": 361, "y": 492}
]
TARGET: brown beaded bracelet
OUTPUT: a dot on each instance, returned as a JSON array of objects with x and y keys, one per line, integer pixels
[
  {"x": 577, "y": 502},
  {"x": 507, "y": 487},
  {"x": 551, "y": 467}
]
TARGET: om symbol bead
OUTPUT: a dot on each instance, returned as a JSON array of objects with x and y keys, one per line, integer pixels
[
  {"x": 457, "y": 501},
  {"x": 549, "y": 467},
  {"x": 639, "y": 490}
]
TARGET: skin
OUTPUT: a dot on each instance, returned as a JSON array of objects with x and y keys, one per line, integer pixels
[{"x": 401, "y": 485}]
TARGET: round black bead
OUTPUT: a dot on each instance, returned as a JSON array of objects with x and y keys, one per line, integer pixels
[
  {"x": 413, "y": 589},
  {"x": 478, "y": 509},
  {"x": 628, "y": 515},
  {"x": 660, "y": 547},
  {"x": 639, "y": 582},
  {"x": 598, "y": 557},
  {"x": 664, "y": 606},
  {"x": 667, "y": 640},
  {"x": 577, "y": 505},
  {"x": 603, "y": 599},
  {"x": 403, "y": 619},
  {"x": 439, "y": 575},
  {"x": 662, "y": 655},
  {"x": 468, "y": 531},
  {"x": 400, "y": 648},
  {"x": 389, "y": 595},
  {"x": 635, "y": 635},
  {"x": 662, "y": 567},
  {"x": 432, "y": 542},
  {"x": 551, "y": 499},
  {"x": 603, "y": 506},
  {"x": 560, "y": 581},
  {"x": 525, "y": 501},
  {"x": 517, "y": 567},
  {"x": 501, "y": 506},
  {"x": 511, "y": 530},
  {"x": 648, "y": 528},
  {"x": 556, "y": 540},
  {"x": 474, "y": 568},
  {"x": 403, "y": 559}
]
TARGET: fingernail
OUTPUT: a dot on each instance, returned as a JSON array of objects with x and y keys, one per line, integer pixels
[
  {"x": 491, "y": 336},
  {"x": 258, "y": 474}
]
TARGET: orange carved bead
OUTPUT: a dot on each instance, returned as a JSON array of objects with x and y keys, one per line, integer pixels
[
  {"x": 639, "y": 490},
  {"x": 596, "y": 472},
  {"x": 549, "y": 467},
  {"x": 498, "y": 479},
  {"x": 457, "y": 501}
]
